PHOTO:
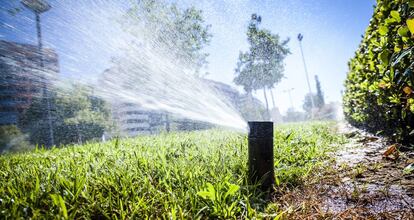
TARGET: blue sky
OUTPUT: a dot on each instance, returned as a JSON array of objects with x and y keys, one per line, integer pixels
[{"x": 332, "y": 31}]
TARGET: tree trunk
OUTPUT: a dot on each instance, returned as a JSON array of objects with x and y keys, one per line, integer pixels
[
  {"x": 267, "y": 103},
  {"x": 257, "y": 112},
  {"x": 273, "y": 99}
]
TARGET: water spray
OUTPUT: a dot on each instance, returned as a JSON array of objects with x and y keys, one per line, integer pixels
[{"x": 261, "y": 164}]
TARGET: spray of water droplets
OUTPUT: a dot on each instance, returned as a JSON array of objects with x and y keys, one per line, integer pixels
[{"x": 125, "y": 63}]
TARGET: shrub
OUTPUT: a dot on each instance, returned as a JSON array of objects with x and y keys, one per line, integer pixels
[
  {"x": 77, "y": 116},
  {"x": 12, "y": 139},
  {"x": 379, "y": 86}
]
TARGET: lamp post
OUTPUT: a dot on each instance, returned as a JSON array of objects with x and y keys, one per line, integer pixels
[
  {"x": 38, "y": 7},
  {"x": 300, "y": 38}
]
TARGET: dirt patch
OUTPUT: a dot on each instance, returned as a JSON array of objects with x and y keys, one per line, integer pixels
[{"x": 361, "y": 184}]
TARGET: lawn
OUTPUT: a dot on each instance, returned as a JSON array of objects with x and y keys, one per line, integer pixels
[{"x": 178, "y": 175}]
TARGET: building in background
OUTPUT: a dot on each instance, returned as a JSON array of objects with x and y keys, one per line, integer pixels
[
  {"x": 132, "y": 120},
  {"x": 21, "y": 77}
]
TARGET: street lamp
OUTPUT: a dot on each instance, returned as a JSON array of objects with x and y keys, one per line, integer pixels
[
  {"x": 300, "y": 38},
  {"x": 39, "y": 7}
]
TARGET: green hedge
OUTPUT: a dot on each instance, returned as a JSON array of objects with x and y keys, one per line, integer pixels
[{"x": 379, "y": 87}]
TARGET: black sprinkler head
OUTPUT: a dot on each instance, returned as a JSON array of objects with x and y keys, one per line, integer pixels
[{"x": 261, "y": 163}]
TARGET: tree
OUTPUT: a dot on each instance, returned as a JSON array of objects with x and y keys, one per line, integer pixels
[
  {"x": 319, "y": 93},
  {"x": 161, "y": 31},
  {"x": 318, "y": 99},
  {"x": 307, "y": 102},
  {"x": 180, "y": 34},
  {"x": 262, "y": 66},
  {"x": 77, "y": 115}
]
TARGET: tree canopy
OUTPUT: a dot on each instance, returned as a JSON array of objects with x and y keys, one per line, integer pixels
[
  {"x": 178, "y": 33},
  {"x": 318, "y": 98},
  {"x": 319, "y": 93},
  {"x": 262, "y": 65},
  {"x": 307, "y": 103}
]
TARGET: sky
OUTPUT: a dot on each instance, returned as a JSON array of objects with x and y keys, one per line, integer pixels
[{"x": 86, "y": 42}]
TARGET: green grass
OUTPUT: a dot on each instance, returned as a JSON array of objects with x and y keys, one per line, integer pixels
[{"x": 180, "y": 175}]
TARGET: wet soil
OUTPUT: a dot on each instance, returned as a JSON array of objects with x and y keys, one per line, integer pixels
[{"x": 361, "y": 183}]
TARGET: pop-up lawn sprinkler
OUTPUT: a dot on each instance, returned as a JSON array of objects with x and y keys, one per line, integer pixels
[{"x": 261, "y": 164}]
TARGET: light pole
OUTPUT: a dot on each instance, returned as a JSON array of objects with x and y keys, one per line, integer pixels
[
  {"x": 300, "y": 38},
  {"x": 290, "y": 95},
  {"x": 38, "y": 7}
]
